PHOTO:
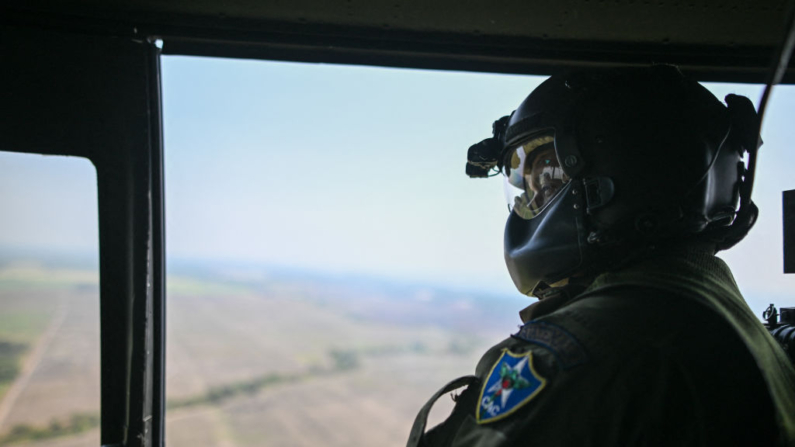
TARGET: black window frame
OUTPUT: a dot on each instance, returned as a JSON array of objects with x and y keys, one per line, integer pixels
[{"x": 99, "y": 97}]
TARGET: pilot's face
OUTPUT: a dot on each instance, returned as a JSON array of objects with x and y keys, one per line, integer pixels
[{"x": 545, "y": 175}]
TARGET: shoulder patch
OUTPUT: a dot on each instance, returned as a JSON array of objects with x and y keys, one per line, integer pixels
[
  {"x": 567, "y": 350},
  {"x": 511, "y": 383}
]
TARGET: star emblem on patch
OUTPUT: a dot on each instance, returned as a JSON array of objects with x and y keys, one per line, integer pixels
[{"x": 512, "y": 383}]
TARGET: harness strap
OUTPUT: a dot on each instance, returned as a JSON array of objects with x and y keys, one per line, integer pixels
[{"x": 418, "y": 429}]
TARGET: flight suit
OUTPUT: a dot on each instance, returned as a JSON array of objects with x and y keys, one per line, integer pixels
[{"x": 665, "y": 352}]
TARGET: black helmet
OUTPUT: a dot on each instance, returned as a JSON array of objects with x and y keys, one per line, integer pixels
[{"x": 602, "y": 165}]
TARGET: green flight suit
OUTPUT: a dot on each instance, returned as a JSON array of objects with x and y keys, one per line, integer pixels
[{"x": 664, "y": 352}]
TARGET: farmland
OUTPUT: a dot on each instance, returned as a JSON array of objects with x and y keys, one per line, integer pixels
[
  {"x": 279, "y": 360},
  {"x": 52, "y": 316}
]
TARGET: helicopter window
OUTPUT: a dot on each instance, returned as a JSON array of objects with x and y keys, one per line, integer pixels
[
  {"x": 49, "y": 300},
  {"x": 325, "y": 270},
  {"x": 330, "y": 266},
  {"x": 757, "y": 261}
]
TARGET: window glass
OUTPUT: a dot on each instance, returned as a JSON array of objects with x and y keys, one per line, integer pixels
[
  {"x": 330, "y": 266},
  {"x": 49, "y": 301},
  {"x": 757, "y": 261}
]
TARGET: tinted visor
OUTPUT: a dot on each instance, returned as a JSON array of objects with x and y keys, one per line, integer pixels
[{"x": 533, "y": 176}]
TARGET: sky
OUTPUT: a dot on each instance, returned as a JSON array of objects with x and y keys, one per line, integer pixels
[{"x": 347, "y": 169}]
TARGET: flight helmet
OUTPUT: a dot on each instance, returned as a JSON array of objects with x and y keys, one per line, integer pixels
[{"x": 600, "y": 166}]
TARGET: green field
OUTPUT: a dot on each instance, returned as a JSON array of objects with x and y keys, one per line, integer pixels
[
  {"x": 26, "y": 309},
  {"x": 48, "y": 317}
]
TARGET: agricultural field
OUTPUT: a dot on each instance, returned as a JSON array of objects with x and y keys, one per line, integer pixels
[
  {"x": 281, "y": 360},
  {"x": 50, "y": 380}
]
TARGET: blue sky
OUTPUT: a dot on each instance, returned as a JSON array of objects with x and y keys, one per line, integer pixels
[
  {"x": 343, "y": 168},
  {"x": 346, "y": 169}
]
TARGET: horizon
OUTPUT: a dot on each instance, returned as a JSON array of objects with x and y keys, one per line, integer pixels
[
  {"x": 243, "y": 272},
  {"x": 347, "y": 170},
  {"x": 250, "y": 273}
]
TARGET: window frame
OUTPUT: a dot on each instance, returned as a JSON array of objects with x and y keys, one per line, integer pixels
[{"x": 99, "y": 97}]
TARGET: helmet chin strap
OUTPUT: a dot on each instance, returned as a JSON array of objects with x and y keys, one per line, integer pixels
[{"x": 561, "y": 290}]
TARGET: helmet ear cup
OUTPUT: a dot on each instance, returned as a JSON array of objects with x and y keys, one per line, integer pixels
[
  {"x": 745, "y": 122},
  {"x": 744, "y": 138}
]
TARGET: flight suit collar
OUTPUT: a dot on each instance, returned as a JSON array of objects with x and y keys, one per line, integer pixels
[{"x": 553, "y": 299}]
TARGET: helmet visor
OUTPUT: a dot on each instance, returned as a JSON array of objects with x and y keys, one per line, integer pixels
[{"x": 533, "y": 176}]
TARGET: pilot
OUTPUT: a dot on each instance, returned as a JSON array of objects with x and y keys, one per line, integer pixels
[{"x": 623, "y": 185}]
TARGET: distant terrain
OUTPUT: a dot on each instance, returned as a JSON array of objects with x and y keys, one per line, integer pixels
[{"x": 255, "y": 356}]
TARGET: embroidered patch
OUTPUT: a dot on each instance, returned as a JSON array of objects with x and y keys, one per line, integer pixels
[
  {"x": 567, "y": 350},
  {"x": 511, "y": 383}
]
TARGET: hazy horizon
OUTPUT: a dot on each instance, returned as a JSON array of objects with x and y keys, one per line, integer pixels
[{"x": 346, "y": 170}]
